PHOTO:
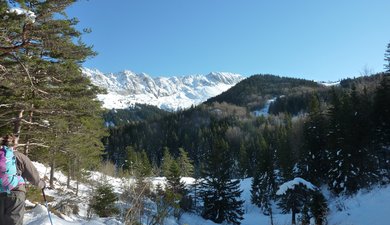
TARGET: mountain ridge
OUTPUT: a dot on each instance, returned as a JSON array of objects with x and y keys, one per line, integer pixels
[{"x": 126, "y": 88}]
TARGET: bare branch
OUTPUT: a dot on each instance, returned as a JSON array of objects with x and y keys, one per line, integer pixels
[
  {"x": 34, "y": 144},
  {"x": 26, "y": 70},
  {"x": 5, "y": 124},
  {"x": 42, "y": 91},
  {"x": 33, "y": 123}
]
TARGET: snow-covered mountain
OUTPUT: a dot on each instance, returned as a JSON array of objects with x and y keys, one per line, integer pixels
[{"x": 169, "y": 93}]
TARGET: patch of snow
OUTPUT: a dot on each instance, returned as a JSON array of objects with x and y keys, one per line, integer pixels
[
  {"x": 30, "y": 16},
  {"x": 290, "y": 185},
  {"x": 265, "y": 109},
  {"x": 366, "y": 207}
]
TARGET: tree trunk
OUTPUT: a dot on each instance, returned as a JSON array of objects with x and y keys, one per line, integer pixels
[
  {"x": 68, "y": 179},
  {"x": 77, "y": 186},
  {"x": 77, "y": 176},
  {"x": 52, "y": 166},
  {"x": 271, "y": 216},
  {"x": 293, "y": 216},
  {"x": 30, "y": 118},
  {"x": 18, "y": 127}
]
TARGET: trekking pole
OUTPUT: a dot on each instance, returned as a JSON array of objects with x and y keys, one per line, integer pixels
[{"x": 48, "y": 211}]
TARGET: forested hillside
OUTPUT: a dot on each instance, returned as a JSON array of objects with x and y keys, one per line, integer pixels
[
  {"x": 339, "y": 138},
  {"x": 322, "y": 111},
  {"x": 255, "y": 90},
  {"x": 136, "y": 113}
]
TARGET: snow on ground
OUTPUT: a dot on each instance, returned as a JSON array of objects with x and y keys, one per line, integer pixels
[
  {"x": 290, "y": 185},
  {"x": 366, "y": 207}
]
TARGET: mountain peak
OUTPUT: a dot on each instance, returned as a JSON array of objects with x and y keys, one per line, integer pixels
[{"x": 170, "y": 93}]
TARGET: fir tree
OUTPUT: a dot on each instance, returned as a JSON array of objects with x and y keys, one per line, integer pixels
[
  {"x": 382, "y": 127},
  {"x": 167, "y": 160},
  {"x": 295, "y": 194},
  {"x": 185, "y": 164},
  {"x": 103, "y": 201},
  {"x": 263, "y": 182},
  {"x": 219, "y": 192},
  {"x": 387, "y": 59},
  {"x": 313, "y": 160},
  {"x": 318, "y": 208},
  {"x": 175, "y": 190},
  {"x": 50, "y": 99}
]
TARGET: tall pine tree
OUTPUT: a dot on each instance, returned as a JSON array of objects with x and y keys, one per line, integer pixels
[{"x": 220, "y": 194}]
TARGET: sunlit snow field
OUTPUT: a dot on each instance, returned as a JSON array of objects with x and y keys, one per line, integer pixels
[{"x": 365, "y": 208}]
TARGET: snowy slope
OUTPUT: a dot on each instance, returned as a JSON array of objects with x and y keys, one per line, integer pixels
[
  {"x": 169, "y": 93},
  {"x": 366, "y": 207}
]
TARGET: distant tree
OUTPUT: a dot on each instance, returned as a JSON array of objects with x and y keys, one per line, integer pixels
[
  {"x": 137, "y": 163},
  {"x": 175, "y": 190},
  {"x": 387, "y": 59},
  {"x": 185, "y": 163},
  {"x": 167, "y": 160},
  {"x": 174, "y": 182},
  {"x": 220, "y": 194}
]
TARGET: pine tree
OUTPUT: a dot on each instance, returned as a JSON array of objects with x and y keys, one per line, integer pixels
[
  {"x": 185, "y": 164},
  {"x": 387, "y": 59},
  {"x": 382, "y": 127},
  {"x": 314, "y": 147},
  {"x": 220, "y": 194},
  {"x": 167, "y": 160},
  {"x": 339, "y": 155},
  {"x": 174, "y": 182},
  {"x": 137, "y": 163},
  {"x": 295, "y": 195},
  {"x": 264, "y": 181},
  {"x": 103, "y": 201},
  {"x": 318, "y": 207},
  {"x": 50, "y": 99},
  {"x": 175, "y": 190}
]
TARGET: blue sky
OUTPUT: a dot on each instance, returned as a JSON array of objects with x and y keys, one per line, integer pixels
[{"x": 312, "y": 39}]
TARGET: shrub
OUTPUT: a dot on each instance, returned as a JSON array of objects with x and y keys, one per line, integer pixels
[{"x": 103, "y": 201}]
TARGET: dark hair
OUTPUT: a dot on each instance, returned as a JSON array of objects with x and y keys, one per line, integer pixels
[{"x": 8, "y": 140}]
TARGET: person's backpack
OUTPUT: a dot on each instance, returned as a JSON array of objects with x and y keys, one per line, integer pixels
[{"x": 9, "y": 178}]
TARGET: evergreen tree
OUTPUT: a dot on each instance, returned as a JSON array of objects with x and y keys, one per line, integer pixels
[
  {"x": 313, "y": 159},
  {"x": 382, "y": 126},
  {"x": 295, "y": 194},
  {"x": 339, "y": 155},
  {"x": 185, "y": 164},
  {"x": 318, "y": 208},
  {"x": 387, "y": 59},
  {"x": 137, "y": 163},
  {"x": 41, "y": 57},
  {"x": 173, "y": 179},
  {"x": 167, "y": 160},
  {"x": 349, "y": 143},
  {"x": 103, "y": 201},
  {"x": 219, "y": 192},
  {"x": 175, "y": 190},
  {"x": 263, "y": 182}
]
